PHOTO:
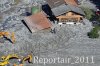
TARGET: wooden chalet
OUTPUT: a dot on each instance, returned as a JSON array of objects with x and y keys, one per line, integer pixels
[{"x": 66, "y": 10}]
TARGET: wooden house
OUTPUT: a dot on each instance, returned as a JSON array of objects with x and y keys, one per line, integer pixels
[
  {"x": 73, "y": 14},
  {"x": 66, "y": 10}
]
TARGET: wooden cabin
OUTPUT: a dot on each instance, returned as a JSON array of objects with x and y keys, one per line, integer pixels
[
  {"x": 70, "y": 17},
  {"x": 66, "y": 10}
]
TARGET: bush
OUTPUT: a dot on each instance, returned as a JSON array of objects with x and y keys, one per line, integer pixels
[
  {"x": 97, "y": 28},
  {"x": 94, "y": 32},
  {"x": 88, "y": 13},
  {"x": 93, "y": 35},
  {"x": 98, "y": 18}
]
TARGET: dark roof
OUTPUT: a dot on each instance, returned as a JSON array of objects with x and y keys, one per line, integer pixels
[
  {"x": 60, "y": 10},
  {"x": 55, "y": 3},
  {"x": 66, "y": 8},
  {"x": 60, "y": 7},
  {"x": 76, "y": 9}
]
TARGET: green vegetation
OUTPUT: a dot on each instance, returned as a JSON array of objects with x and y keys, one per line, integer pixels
[
  {"x": 35, "y": 10},
  {"x": 88, "y": 13},
  {"x": 94, "y": 32},
  {"x": 98, "y": 18},
  {"x": 91, "y": 15}
]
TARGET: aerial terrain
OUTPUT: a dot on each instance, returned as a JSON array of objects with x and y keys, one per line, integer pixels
[{"x": 68, "y": 41}]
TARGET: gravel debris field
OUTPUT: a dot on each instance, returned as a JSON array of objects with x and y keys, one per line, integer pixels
[{"x": 68, "y": 41}]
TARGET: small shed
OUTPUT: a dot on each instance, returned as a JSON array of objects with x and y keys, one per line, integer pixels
[
  {"x": 37, "y": 22},
  {"x": 35, "y": 9}
]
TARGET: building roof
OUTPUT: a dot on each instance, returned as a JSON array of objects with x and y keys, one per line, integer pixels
[
  {"x": 71, "y": 2},
  {"x": 60, "y": 10},
  {"x": 37, "y": 22},
  {"x": 76, "y": 9},
  {"x": 55, "y": 3},
  {"x": 66, "y": 8},
  {"x": 60, "y": 7}
]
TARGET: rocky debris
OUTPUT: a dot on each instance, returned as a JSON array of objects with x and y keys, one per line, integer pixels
[
  {"x": 42, "y": 42},
  {"x": 68, "y": 40}
]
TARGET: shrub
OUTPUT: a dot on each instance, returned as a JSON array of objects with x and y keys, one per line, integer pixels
[
  {"x": 93, "y": 35},
  {"x": 94, "y": 32},
  {"x": 97, "y": 28},
  {"x": 88, "y": 13}
]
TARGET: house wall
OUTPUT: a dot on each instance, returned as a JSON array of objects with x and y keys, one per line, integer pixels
[
  {"x": 70, "y": 17},
  {"x": 69, "y": 14}
]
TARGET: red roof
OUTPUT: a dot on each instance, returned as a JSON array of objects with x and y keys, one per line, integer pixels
[
  {"x": 71, "y": 2},
  {"x": 37, "y": 22}
]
